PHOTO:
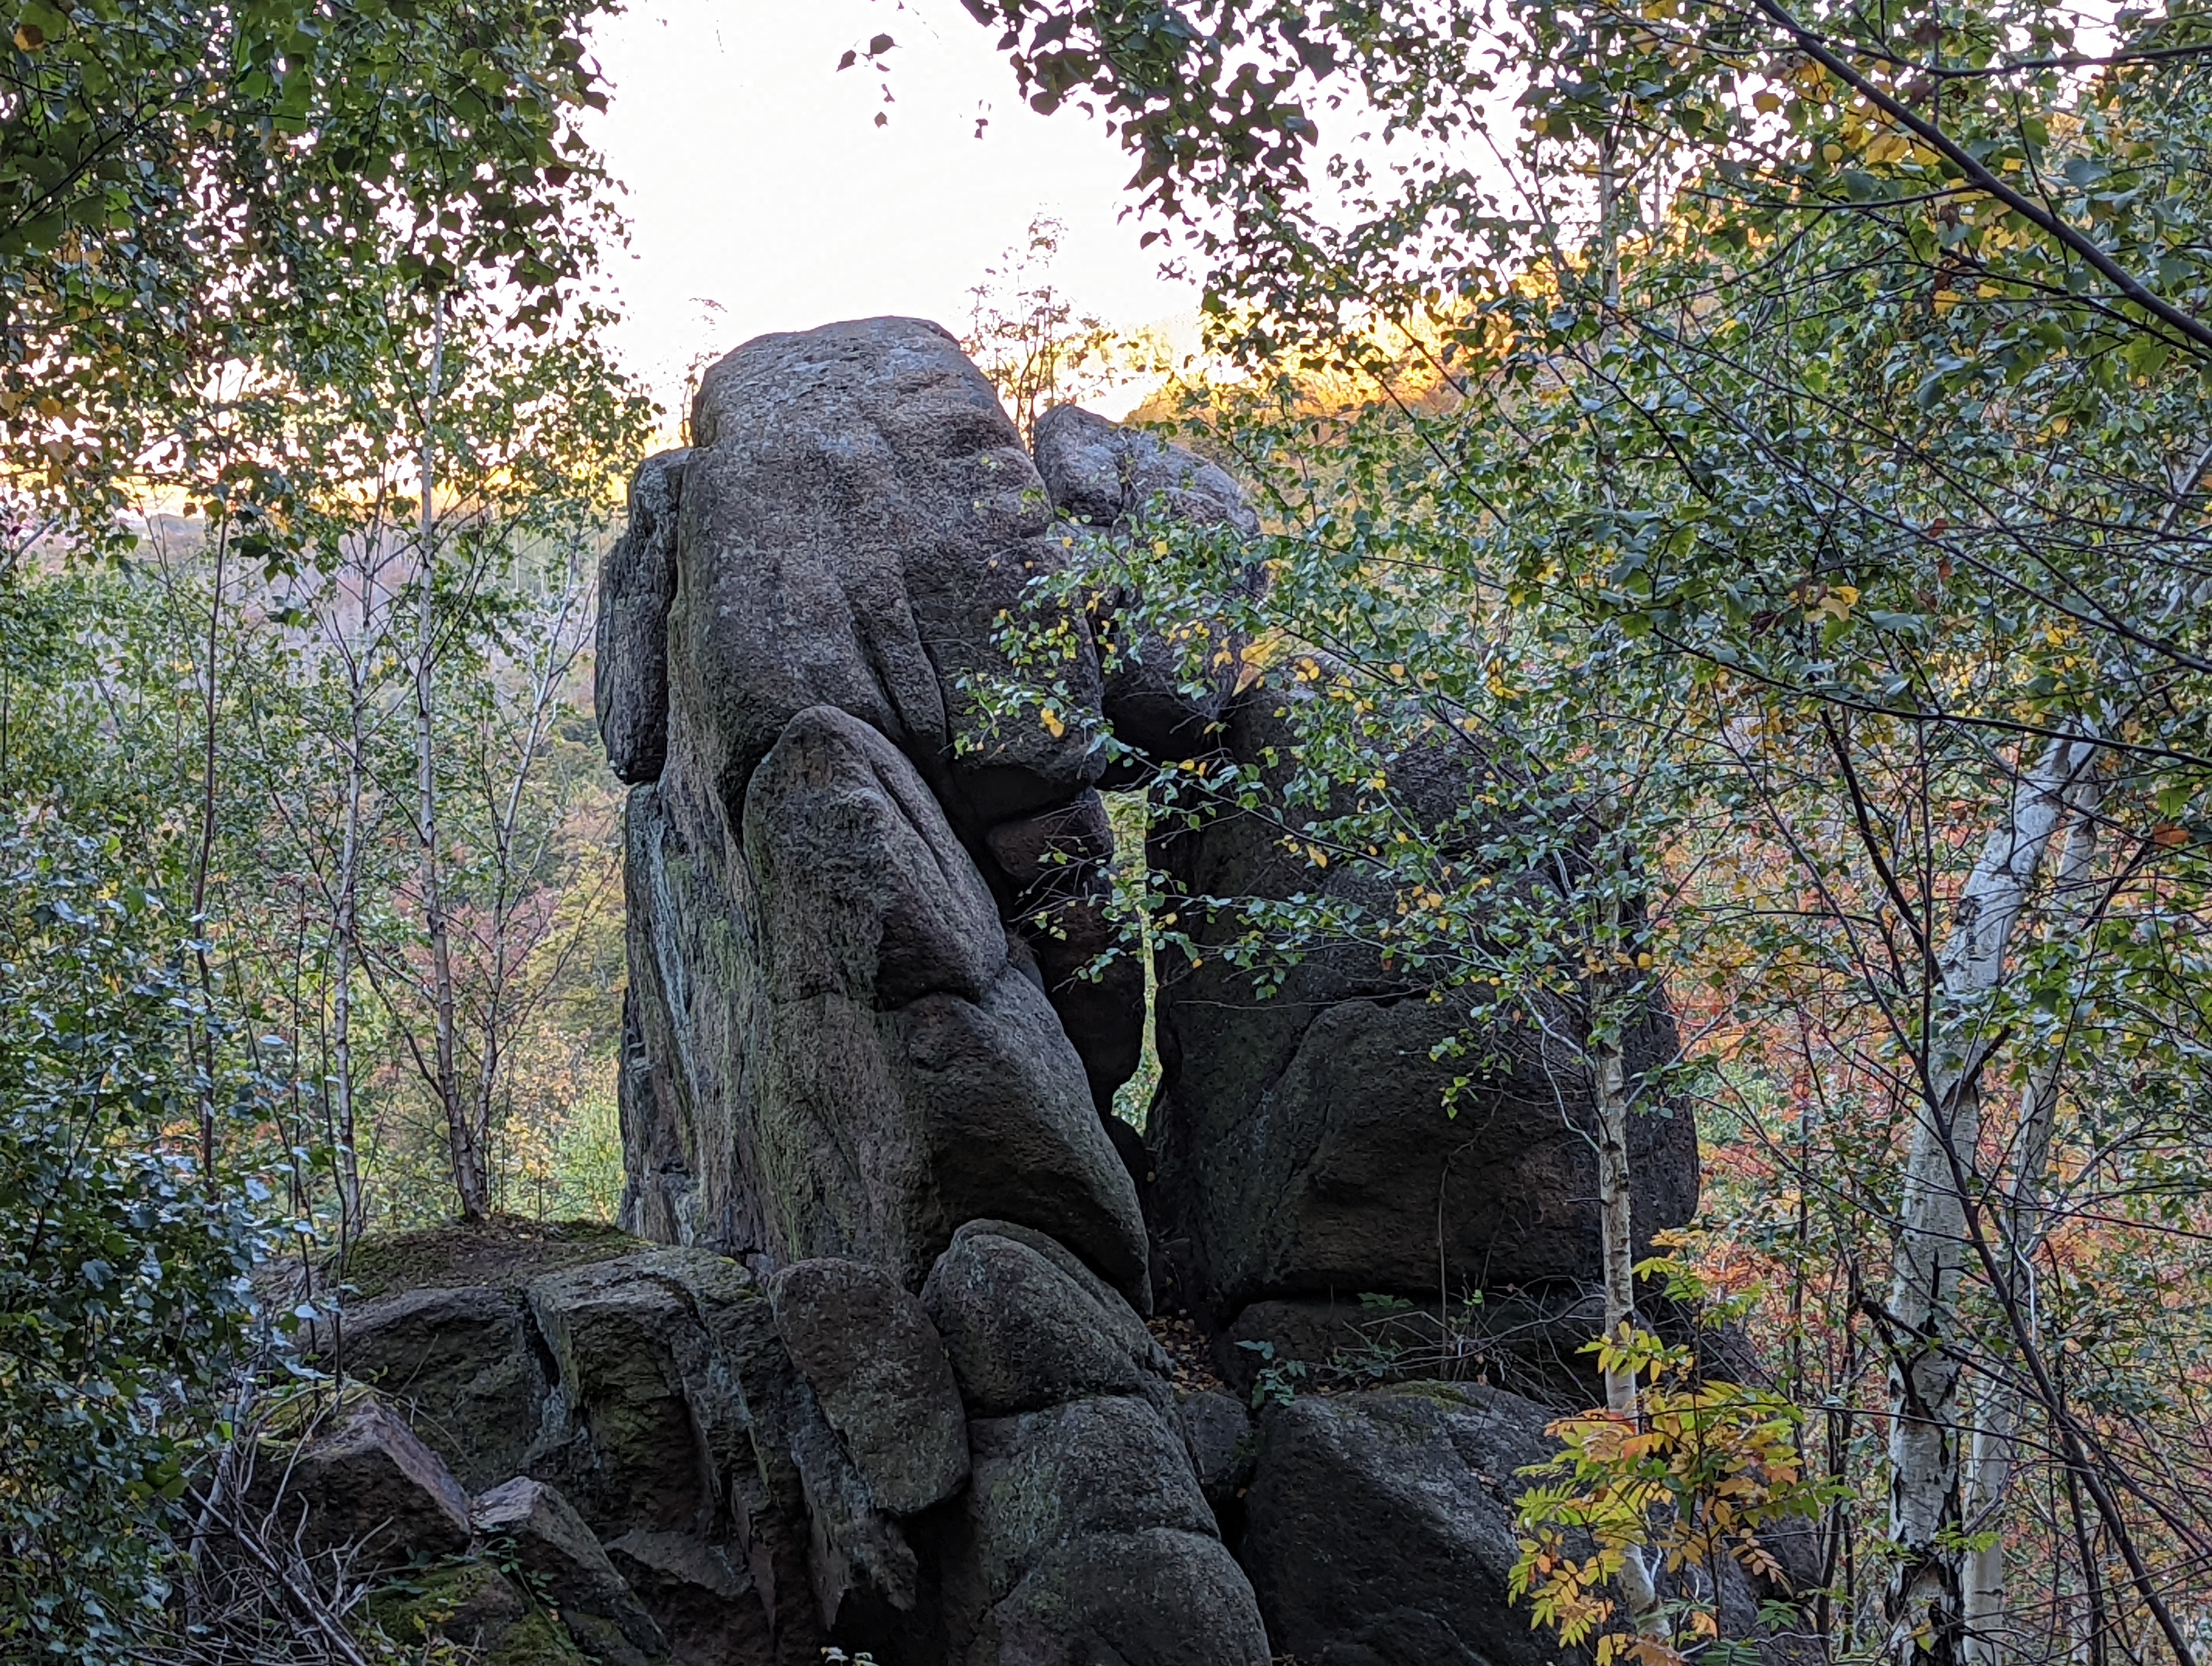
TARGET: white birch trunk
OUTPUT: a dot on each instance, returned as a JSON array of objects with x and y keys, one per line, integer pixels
[
  {"x": 1926, "y": 1507},
  {"x": 1617, "y": 1228},
  {"x": 1989, "y": 1463}
]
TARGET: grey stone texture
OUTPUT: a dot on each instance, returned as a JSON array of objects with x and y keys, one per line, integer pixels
[
  {"x": 535, "y": 1525},
  {"x": 360, "y": 1478},
  {"x": 1382, "y": 1527},
  {"x": 1027, "y": 1325},
  {"x": 834, "y": 1011},
  {"x": 637, "y": 582},
  {"x": 1300, "y": 1137},
  {"x": 1125, "y": 483},
  {"x": 878, "y": 1370},
  {"x": 457, "y": 1362}
]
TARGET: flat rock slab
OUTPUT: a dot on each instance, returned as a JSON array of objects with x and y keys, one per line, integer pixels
[{"x": 364, "y": 1480}]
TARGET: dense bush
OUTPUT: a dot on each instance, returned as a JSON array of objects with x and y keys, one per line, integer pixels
[{"x": 123, "y": 1292}]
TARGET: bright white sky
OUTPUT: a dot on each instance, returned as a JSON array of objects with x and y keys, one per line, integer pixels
[{"x": 758, "y": 180}]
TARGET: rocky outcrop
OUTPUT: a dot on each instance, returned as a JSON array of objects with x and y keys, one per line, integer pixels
[
  {"x": 878, "y": 1370},
  {"x": 831, "y": 952},
  {"x": 890, "y": 1382},
  {"x": 1086, "y": 1533},
  {"x": 1159, "y": 699},
  {"x": 899, "y": 1026},
  {"x": 728, "y": 1472}
]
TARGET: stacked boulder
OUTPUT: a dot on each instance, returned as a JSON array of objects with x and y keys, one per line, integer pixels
[{"x": 888, "y": 1381}]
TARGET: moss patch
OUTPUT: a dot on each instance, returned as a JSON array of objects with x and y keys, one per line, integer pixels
[
  {"x": 1449, "y": 1396},
  {"x": 505, "y": 1252},
  {"x": 474, "y": 1606}
]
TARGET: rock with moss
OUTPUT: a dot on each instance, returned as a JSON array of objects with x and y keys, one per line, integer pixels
[
  {"x": 353, "y": 1476},
  {"x": 535, "y": 1527},
  {"x": 460, "y": 1363},
  {"x": 637, "y": 583},
  {"x": 503, "y": 1252},
  {"x": 475, "y": 1607}
]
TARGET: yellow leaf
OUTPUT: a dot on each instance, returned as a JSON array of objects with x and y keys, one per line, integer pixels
[
  {"x": 1053, "y": 725},
  {"x": 1766, "y": 102}
]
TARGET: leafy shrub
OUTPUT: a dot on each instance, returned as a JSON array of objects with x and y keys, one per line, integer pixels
[{"x": 123, "y": 1293}]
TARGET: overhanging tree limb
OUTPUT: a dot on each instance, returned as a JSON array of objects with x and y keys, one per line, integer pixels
[{"x": 2191, "y": 329}]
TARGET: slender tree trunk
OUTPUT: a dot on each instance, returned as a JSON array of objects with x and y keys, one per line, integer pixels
[
  {"x": 1926, "y": 1599},
  {"x": 466, "y": 1156},
  {"x": 1989, "y": 1463},
  {"x": 1617, "y": 1222},
  {"x": 205, "y": 857},
  {"x": 347, "y": 929}
]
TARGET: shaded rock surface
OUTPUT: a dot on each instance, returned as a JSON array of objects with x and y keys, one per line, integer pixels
[
  {"x": 1085, "y": 1533},
  {"x": 1300, "y": 1139},
  {"x": 1027, "y": 1325},
  {"x": 363, "y": 1479},
  {"x": 548, "y": 1540},
  {"x": 1381, "y": 1528},
  {"x": 461, "y": 1362},
  {"x": 878, "y": 1370},
  {"x": 637, "y": 583},
  {"x": 857, "y": 512},
  {"x": 899, "y": 1026},
  {"x": 476, "y": 1607}
]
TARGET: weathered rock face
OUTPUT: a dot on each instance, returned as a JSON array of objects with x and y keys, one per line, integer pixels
[
  {"x": 1300, "y": 1139},
  {"x": 637, "y": 583},
  {"x": 649, "y": 1408},
  {"x": 723, "y": 1474},
  {"x": 896, "y": 1389},
  {"x": 535, "y": 1525},
  {"x": 363, "y": 1479},
  {"x": 835, "y": 1044},
  {"x": 900, "y": 1028},
  {"x": 878, "y": 1370},
  {"x": 857, "y": 512},
  {"x": 1381, "y": 1528},
  {"x": 1086, "y": 1533}
]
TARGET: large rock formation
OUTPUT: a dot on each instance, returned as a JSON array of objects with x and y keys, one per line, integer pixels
[
  {"x": 846, "y": 963},
  {"x": 889, "y": 1381}
]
